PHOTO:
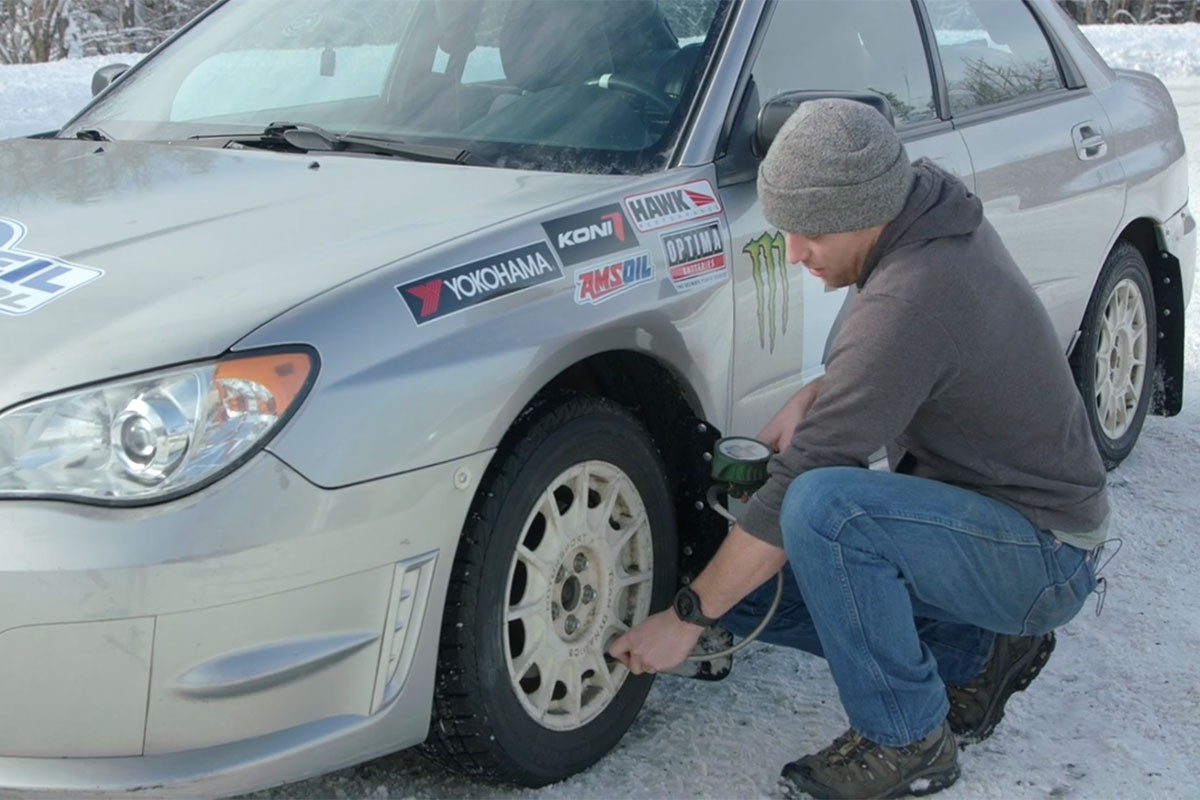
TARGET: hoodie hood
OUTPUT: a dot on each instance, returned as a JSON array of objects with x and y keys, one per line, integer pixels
[{"x": 938, "y": 205}]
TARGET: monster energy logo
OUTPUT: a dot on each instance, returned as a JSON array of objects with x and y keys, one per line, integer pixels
[{"x": 768, "y": 265}]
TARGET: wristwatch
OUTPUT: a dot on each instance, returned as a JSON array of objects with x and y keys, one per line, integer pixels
[{"x": 687, "y": 608}]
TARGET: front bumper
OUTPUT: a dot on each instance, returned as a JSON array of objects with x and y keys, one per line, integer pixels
[{"x": 259, "y": 631}]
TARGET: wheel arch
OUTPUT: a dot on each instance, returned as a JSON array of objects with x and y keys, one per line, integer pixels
[
  {"x": 670, "y": 409},
  {"x": 1166, "y": 279}
]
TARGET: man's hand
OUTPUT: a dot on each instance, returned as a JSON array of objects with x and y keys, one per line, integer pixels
[
  {"x": 778, "y": 433},
  {"x": 659, "y": 643}
]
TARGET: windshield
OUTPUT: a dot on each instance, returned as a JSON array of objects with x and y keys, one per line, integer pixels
[{"x": 568, "y": 85}]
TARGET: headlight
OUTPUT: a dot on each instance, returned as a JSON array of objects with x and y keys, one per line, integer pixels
[{"x": 156, "y": 436}]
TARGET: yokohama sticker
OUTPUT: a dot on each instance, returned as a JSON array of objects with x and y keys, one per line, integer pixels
[
  {"x": 29, "y": 280},
  {"x": 590, "y": 235},
  {"x": 594, "y": 285},
  {"x": 462, "y": 287},
  {"x": 662, "y": 207},
  {"x": 696, "y": 256}
]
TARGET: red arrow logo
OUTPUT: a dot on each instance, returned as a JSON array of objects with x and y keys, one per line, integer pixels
[
  {"x": 618, "y": 223},
  {"x": 430, "y": 295},
  {"x": 698, "y": 199}
]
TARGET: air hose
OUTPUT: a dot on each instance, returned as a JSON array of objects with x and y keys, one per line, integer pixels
[{"x": 739, "y": 466}]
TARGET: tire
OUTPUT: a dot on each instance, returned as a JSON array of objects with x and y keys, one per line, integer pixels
[
  {"x": 525, "y": 693},
  {"x": 1113, "y": 362}
]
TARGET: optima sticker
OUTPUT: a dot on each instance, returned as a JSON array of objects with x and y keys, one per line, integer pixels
[
  {"x": 462, "y": 287},
  {"x": 696, "y": 256},
  {"x": 30, "y": 280},
  {"x": 662, "y": 207},
  {"x": 590, "y": 235},
  {"x": 594, "y": 285}
]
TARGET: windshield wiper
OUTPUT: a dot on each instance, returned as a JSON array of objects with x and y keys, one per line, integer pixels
[
  {"x": 305, "y": 138},
  {"x": 93, "y": 135}
]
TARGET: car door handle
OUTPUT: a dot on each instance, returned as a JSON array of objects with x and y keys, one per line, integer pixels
[{"x": 1089, "y": 141}]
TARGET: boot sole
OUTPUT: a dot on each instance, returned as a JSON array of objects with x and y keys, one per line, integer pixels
[
  {"x": 932, "y": 780},
  {"x": 1032, "y": 664}
]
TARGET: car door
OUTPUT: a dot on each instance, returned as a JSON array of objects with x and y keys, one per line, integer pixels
[
  {"x": 782, "y": 314},
  {"x": 1037, "y": 139}
]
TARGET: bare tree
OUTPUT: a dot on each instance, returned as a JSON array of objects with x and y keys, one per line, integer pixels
[{"x": 34, "y": 30}]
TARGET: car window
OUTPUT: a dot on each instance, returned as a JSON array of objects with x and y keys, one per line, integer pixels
[
  {"x": 313, "y": 56},
  {"x": 833, "y": 44},
  {"x": 991, "y": 52},
  {"x": 570, "y": 85}
]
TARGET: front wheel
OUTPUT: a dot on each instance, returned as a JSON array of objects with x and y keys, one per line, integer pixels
[
  {"x": 569, "y": 543},
  {"x": 1114, "y": 360}
]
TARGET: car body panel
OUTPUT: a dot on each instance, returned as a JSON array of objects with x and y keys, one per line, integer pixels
[
  {"x": 511, "y": 348},
  {"x": 320, "y": 572},
  {"x": 252, "y": 235}
]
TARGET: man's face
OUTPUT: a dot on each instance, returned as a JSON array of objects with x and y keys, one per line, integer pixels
[{"x": 836, "y": 258}]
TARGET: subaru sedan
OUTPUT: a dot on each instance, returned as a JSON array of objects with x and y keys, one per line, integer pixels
[{"x": 363, "y": 356}]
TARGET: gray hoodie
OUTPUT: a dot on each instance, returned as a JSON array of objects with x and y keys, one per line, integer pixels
[{"x": 949, "y": 359}]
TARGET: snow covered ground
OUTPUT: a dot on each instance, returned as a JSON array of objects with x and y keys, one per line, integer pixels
[{"x": 1116, "y": 713}]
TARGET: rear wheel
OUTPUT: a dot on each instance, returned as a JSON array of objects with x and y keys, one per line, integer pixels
[
  {"x": 1114, "y": 360},
  {"x": 570, "y": 542}
]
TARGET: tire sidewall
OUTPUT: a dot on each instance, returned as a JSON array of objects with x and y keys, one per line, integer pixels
[
  {"x": 1124, "y": 263},
  {"x": 604, "y": 435}
]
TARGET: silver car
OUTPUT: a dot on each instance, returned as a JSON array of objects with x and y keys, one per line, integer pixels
[{"x": 362, "y": 356}]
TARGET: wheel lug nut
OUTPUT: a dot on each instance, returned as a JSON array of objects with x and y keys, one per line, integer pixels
[
  {"x": 554, "y": 610},
  {"x": 589, "y": 594},
  {"x": 572, "y": 624},
  {"x": 581, "y": 562}
]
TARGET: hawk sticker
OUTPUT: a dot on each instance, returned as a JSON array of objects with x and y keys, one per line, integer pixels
[
  {"x": 662, "y": 207},
  {"x": 30, "y": 280}
]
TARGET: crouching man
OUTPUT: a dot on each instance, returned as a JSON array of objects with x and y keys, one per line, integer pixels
[{"x": 931, "y": 590}]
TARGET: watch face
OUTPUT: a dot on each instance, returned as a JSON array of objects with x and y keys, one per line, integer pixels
[
  {"x": 685, "y": 604},
  {"x": 743, "y": 449}
]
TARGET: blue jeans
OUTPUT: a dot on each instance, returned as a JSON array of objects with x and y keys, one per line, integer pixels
[{"x": 901, "y": 583}]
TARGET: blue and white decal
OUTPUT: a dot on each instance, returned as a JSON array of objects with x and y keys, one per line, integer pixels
[{"x": 30, "y": 280}]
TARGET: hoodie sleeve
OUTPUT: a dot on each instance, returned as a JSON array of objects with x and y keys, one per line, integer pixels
[{"x": 889, "y": 358}]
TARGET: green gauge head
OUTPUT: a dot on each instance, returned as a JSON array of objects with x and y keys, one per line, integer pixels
[{"x": 740, "y": 462}]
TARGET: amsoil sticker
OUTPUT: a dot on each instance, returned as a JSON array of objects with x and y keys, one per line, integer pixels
[
  {"x": 696, "y": 256},
  {"x": 590, "y": 235},
  {"x": 594, "y": 285},
  {"x": 462, "y": 287},
  {"x": 30, "y": 280},
  {"x": 662, "y": 207}
]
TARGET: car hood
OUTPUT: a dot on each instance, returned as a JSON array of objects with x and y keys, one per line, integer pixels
[{"x": 124, "y": 257}]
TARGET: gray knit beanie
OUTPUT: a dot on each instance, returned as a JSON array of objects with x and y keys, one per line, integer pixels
[{"x": 836, "y": 165}]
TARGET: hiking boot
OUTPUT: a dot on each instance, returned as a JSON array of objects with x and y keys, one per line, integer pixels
[
  {"x": 854, "y": 766},
  {"x": 978, "y": 706}
]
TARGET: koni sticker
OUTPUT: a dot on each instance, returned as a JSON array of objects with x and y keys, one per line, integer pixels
[
  {"x": 30, "y": 280},
  {"x": 768, "y": 267},
  {"x": 662, "y": 207},
  {"x": 462, "y": 287},
  {"x": 696, "y": 256},
  {"x": 594, "y": 285},
  {"x": 590, "y": 235}
]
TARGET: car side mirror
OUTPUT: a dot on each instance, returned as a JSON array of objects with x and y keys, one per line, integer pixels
[
  {"x": 776, "y": 111},
  {"x": 104, "y": 77}
]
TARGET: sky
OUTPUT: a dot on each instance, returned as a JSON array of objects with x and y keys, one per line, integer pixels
[{"x": 1115, "y": 713}]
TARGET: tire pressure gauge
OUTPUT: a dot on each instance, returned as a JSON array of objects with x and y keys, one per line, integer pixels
[{"x": 741, "y": 463}]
